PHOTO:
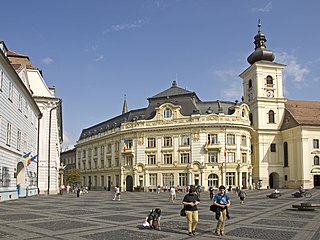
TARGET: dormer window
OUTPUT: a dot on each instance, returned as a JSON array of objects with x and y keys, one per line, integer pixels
[
  {"x": 167, "y": 113},
  {"x": 269, "y": 81}
]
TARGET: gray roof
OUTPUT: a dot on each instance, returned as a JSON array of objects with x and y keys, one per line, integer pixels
[{"x": 189, "y": 102}]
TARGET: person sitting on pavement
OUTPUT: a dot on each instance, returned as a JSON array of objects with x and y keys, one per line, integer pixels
[
  {"x": 301, "y": 189},
  {"x": 153, "y": 218}
]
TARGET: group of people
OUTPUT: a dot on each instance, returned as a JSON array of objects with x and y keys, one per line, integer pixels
[{"x": 191, "y": 201}]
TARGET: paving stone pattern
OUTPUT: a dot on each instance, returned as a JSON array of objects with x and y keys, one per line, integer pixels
[{"x": 96, "y": 216}]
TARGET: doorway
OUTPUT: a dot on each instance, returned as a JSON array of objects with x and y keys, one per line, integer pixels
[
  {"x": 274, "y": 180},
  {"x": 316, "y": 181},
  {"x": 129, "y": 183}
]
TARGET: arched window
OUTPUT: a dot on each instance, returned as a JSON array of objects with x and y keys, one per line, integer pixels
[
  {"x": 213, "y": 180},
  {"x": 316, "y": 160},
  {"x": 271, "y": 116},
  {"x": 269, "y": 80},
  {"x": 250, "y": 84},
  {"x": 167, "y": 113},
  {"x": 285, "y": 154},
  {"x": 251, "y": 118}
]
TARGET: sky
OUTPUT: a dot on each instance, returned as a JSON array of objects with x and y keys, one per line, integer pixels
[{"x": 96, "y": 52}]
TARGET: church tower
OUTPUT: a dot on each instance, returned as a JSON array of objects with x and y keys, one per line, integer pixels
[{"x": 263, "y": 92}]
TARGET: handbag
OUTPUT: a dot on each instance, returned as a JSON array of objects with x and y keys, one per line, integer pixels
[
  {"x": 183, "y": 212},
  {"x": 213, "y": 208}
]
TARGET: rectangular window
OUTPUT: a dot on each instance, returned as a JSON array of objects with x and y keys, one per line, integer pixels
[
  {"x": 231, "y": 139},
  {"x": 243, "y": 141},
  {"x": 20, "y": 102},
  {"x": 185, "y": 140},
  {"x": 315, "y": 143},
  {"x": 244, "y": 157},
  {"x": 231, "y": 156},
  {"x": 102, "y": 181},
  {"x": 230, "y": 177},
  {"x": 10, "y": 90},
  {"x": 183, "y": 179},
  {"x": 212, "y": 138},
  {"x": 129, "y": 160},
  {"x": 19, "y": 138},
  {"x": 153, "y": 179},
  {"x": 167, "y": 179},
  {"x": 167, "y": 141},
  {"x": 95, "y": 151},
  {"x": 152, "y": 159},
  {"x": 84, "y": 153},
  {"x": 185, "y": 158},
  {"x": 116, "y": 146},
  {"x": 101, "y": 150},
  {"x": 108, "y": 162},
  {"x": 109, "y": 148},
  {"x": 213, "y": 157},
  {"x": 1, "y": 80},
  {"x": 102, "y": 164},
  {"x": 89, "y": 153},
  {"x": 5, "y": 177},
  {"x": 79, "y": 154},
  {"x": 167, "y": 159},
  {"x": 116, "y": 162},
  {"x": 9, "y": 128},
  {"x": 151, "y": 142},
  {"x": 273, "y": 147}
]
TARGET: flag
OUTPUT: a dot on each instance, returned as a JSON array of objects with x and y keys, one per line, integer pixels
[
  {"x": 34, "y": 157},
  {"x": 125, "y": 145},
  {"x": 27, "y": 157}
]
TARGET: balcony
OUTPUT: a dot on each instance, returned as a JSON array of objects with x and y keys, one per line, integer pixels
[{"x": 212, "y": 146}]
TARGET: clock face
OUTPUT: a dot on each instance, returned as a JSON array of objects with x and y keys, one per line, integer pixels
[{"x": 270, "y": 93}]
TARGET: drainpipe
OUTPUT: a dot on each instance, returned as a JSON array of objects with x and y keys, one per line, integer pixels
[
  {"x": 39, "y": 117},
  {"x": 49, "y": 148}
]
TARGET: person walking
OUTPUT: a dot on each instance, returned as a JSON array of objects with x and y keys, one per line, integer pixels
[
  {"x": 222, "y": 201},
  {"x": 116, "y": 193},
  {"x": 211, "y": 193},
  {"x": 190, "y": 202},
  {"x": 242, "y": 194},
  {"x": 78, "y": 188},
  {"x": 172, "y": 197}
]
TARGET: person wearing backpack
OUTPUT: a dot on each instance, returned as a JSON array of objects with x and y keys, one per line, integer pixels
[
  {"x": 242, "y": 194},
  {"x": 222, "y": 201}
]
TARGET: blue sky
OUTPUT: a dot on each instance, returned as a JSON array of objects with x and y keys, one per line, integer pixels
[{"x": 94, "y": 52}]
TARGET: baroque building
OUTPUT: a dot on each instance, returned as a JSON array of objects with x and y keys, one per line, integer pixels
[
  {"x": 19, "y": 126},
  {"x": 50, "y": 125},
  {"x": 176, "y": 140}
]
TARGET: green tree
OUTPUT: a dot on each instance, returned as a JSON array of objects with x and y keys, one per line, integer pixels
[{"x": 72, "y": 176}]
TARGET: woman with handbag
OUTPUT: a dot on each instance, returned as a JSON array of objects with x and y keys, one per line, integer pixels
[{"x": 190, "y": 202}]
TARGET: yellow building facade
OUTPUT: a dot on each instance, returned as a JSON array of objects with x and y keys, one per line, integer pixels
[{"x": 178, "y": 140}]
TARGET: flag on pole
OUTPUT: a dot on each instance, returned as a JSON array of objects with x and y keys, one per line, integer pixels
[
  {"x": 33, "y": 158},
  {"x": 125, "y": 145},
  {"x": 27, "y": 157}
]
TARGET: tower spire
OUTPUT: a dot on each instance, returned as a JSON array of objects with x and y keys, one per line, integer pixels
[
  {"x": 125, "y": 107},
  {"x": 261, "y": 52}
]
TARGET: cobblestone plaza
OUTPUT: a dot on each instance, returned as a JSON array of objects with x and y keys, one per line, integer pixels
[{"x": 95, "y": 216}]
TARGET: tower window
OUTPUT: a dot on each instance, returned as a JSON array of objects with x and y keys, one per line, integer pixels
[
  {"x": 269, "y": 81},
  {"x": 273, "y": 147},
  {"x": 316, "y": 160},
  {"x": 271, "y": 116},
  {"x": 250, "y": 84},
  {"x": 251, "y": 118},
  {"x": 285, "y": 153},
  {"x": 315, "y": 143}
]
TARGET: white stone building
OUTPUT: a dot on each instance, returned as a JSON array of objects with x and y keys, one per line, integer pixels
[
  {"x": 51, "y": 134},
  {"x": 19, "y": 125}
]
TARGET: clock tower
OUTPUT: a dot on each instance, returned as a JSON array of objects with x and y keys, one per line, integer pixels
[{"x": 263, "y": 92}]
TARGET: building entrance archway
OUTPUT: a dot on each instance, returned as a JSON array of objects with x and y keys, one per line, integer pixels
[
  {"x": 274, "y": 180},
  {"x": 129, "y": 183},
  {"x": 21, "y": 171}
]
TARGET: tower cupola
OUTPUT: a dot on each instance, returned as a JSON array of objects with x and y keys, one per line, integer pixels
[{"x": 261, "y": 52}]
